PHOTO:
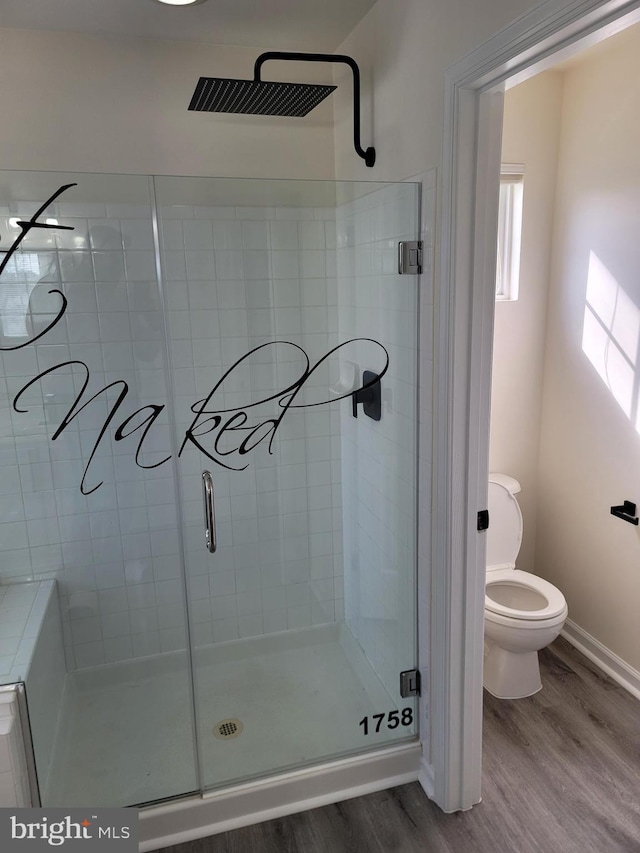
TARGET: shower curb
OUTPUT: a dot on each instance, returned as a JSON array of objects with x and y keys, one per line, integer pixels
[{"x": 288, "y": 793}]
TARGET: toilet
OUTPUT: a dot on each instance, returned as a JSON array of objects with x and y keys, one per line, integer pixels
[{"x": 522, "y": 612}]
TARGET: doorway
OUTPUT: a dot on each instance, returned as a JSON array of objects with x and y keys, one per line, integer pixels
[
  {"x": 465, "y": 319},
  {"x": 564, "y": 398}
]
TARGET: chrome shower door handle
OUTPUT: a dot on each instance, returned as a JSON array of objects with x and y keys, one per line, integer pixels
[{"x": 209, "y": 512}]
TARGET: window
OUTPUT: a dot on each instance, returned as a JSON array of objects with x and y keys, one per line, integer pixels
[
  {"x": 20, "y": 276},
  {"x": 509, "y": 231}
]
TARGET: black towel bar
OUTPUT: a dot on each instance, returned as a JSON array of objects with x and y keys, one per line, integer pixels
[{"x": 627, "y": 512}]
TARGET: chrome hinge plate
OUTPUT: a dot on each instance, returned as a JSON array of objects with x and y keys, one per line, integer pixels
[
  {"x": 410, "y": 257},
  {"x": 409, "y": 683}
]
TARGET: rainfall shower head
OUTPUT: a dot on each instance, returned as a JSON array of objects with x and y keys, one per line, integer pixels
[
  {"x": 267, "y": 98},
  {"x": 257, "y": 97}
]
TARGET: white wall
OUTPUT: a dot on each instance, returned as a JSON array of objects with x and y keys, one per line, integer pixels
[
  {"x": 404, "y": 48},
  {"x": 531, "y": 131},
  {"x": 590, "y": 444},
  {"x": 109, "y": 104}
]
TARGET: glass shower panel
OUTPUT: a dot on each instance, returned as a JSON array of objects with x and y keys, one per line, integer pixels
[
  {"x": 280, "y": 295},
  {"x": 379, "y": 458},
  {"x": 87, "y": 493}
]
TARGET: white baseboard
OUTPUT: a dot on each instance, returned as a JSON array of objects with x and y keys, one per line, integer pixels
[
  {"x": 287, "y": 793},
  {"x": 626, "y": 676}
]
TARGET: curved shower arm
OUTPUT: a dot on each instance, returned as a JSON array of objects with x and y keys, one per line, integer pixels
[{"x": 369, "y": 156}]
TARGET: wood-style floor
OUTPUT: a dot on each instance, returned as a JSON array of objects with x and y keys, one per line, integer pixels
[{"x": 561, "y": 775}]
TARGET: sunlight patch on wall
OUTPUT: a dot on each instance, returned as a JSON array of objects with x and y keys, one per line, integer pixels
[{"x": 610, "y": 336}]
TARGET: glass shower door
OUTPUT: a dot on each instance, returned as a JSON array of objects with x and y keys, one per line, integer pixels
[
  {"x": 276, "y": 350},
  {"x": 91, "y": 579},
  {"x": 279, "y": 296}
]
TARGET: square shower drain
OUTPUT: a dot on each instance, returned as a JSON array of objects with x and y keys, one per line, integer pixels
[{"x": 227, "y": 729}]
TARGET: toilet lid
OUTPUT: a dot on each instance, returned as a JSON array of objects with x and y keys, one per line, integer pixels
[
  {"x": 521, "y": 595},
  {"x": 504, "y": 535}
]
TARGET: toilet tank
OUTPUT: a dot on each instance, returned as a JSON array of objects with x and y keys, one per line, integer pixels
[
  {"x": 509, "y": 483},
  {"x": 504, "y": 535}
]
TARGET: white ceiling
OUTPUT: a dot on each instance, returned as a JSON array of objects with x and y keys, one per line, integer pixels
[{"x": 305, "y": 25}]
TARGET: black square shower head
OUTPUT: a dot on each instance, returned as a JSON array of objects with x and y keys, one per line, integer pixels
[
  {"x": 266, "y": 98},
  {"x": 257, "y": 97}
]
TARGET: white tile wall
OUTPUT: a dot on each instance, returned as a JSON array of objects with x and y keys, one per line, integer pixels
[
  {"x": 379, "y": 459},
  {"x": 111, "y": 551},
  {"x": 237, "y": 278},
  {"x": 234, "y": 278},
  {"x": 23, "y": 608}
]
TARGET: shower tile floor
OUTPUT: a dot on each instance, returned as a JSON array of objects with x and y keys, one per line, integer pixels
[{"x": 126, "y": 733}]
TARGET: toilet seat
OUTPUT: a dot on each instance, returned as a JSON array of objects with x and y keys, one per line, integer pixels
[
  {"x": 522, "y": 612},
  {"x": 554, "y": 601}
]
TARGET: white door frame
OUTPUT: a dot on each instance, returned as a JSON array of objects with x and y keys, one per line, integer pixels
[{"x": 463, "y": 345}]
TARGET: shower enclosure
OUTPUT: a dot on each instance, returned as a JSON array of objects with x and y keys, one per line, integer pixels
[{"x": 154, "y": 329}]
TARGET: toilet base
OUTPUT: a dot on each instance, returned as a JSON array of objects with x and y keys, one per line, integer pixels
[{"x": 510, "y": 675}]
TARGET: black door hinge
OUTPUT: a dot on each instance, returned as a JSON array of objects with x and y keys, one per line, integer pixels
[
  {"x": 483, "y": 519},
  {"x": 410, "y": 257}
]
